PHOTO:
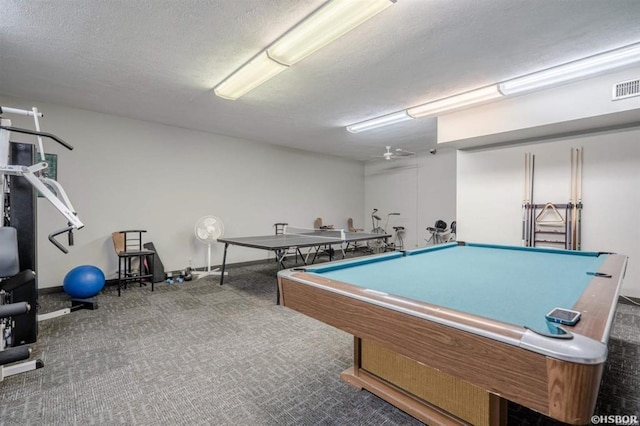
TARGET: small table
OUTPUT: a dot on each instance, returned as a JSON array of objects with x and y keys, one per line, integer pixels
[{"x": 446, "y": 333}]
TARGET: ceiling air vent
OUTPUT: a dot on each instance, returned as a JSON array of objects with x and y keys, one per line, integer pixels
[{"x": 626, "y": 89}]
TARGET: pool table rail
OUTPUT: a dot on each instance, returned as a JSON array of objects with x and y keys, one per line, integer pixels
[
  {"x": 587, "y": 348},
  {"x": 503, "y": 359},
  {"x": 599, "y": 300}
]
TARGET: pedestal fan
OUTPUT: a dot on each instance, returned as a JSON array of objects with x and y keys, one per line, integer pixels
[{"x": 208, "y": 229}]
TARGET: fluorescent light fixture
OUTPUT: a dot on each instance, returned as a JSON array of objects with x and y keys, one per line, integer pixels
[
  {"x": 573, "y": 70},
  {"x": 582, "y": 68},
  {"x": 455, "y": 102},
  {"x": 326, "y": 24},
  {"x": 332, "y": 20},
  {"x": 385, "y": 120},
  {"x": 250, "y": 75}
]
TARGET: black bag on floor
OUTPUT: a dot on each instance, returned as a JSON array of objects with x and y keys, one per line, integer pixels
[{"x": 158, "y": 268}]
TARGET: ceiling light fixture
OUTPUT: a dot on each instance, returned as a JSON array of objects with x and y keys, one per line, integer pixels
[
  {"x": 582, "y": 68},
  {"x": 331, "y": 21},
  {"x": 251, "y": 75},
  {"x": 325, "y": 25},
  {"x": 385, "y": 120},
  {"x": 455, "y": 102}
]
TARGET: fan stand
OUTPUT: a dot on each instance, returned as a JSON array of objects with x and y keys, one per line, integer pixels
[{"x": 209, "y": 272}]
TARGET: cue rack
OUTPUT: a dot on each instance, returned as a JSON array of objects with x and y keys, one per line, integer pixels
[{"x": 550, "y": 224}]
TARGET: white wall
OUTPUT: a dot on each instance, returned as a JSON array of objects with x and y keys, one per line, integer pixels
[
  {"x": 129, "y": 174},
  {"x": 574, "y": 107},
  {"x": 490, "y": 192},
  {"x": 422, "y": 189}
]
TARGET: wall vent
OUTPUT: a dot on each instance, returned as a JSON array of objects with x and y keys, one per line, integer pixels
[{"x": 626, "y": 89}]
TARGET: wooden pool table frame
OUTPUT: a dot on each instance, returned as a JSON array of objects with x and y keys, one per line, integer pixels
[{"x": 445, "y": 341}]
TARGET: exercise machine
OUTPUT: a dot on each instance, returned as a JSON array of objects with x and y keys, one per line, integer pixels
[
  {"x": 381, "y": 245},
  {"x": 49, "y": 188},
  {"x": 23, "y": 171},
  {"x": 12, "y": 350},
  {"x": 438, "y": 232},
  {"x": 398, "y": 241}
]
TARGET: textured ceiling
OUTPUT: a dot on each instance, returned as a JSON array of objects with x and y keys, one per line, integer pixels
[{"x": 158, "y": 60}]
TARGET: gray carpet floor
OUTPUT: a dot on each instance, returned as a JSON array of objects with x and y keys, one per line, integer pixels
[{"x": 198, "y": 353}]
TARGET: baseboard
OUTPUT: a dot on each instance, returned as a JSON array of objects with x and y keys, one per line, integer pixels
[
  {"x": 628, "y": 300},
  {"x": 178, "y": 272},
  {"x": 50, "y": 290}
]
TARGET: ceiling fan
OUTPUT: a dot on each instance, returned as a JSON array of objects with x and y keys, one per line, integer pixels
[{"x": 397, "y": 153}]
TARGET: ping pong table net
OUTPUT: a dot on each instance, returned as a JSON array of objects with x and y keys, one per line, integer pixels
[{"x": 329, "y": 234}]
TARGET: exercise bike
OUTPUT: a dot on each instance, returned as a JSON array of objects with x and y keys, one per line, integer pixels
[{"x": 381, "y": 245}]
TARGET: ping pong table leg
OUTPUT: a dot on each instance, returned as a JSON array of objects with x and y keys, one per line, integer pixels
[
  {"x": 315, "y": 254},
  {"x": 224, "y": 262},
  {"x": 280, "y": 254},
  {"x": 301, "y": 256}
]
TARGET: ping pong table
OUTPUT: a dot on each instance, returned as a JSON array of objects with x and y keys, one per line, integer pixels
[{"x": 280, "y": 244}]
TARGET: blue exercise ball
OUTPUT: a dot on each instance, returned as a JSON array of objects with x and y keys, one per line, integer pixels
[{"x": 83, "y": 282}]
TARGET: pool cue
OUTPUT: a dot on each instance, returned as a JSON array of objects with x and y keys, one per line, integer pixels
[
  {"x": 532, "y": 234},
  {"x": 524, "y": 200},
  {"x": 575, "y": 203},
  {"x": 570, "y": 205},
  {"x": 567, "y": 227},
  {"x": 579, "y": 233}
]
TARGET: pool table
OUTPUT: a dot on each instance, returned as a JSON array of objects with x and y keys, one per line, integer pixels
[{"x": 449, "y": 333}]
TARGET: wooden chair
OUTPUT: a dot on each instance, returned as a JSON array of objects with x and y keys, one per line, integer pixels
[
  {"x": 351, "y": 228},
  {"x": 128, "y": 246},
  {"x": 356, "y": 246},
  {"x": 317, "y": 224},
  {"x": 328, "y": 250}
]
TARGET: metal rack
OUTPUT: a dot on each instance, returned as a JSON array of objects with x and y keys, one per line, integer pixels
[{"x": 551, "y": 224}]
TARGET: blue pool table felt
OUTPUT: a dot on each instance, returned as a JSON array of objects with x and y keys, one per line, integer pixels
[{"x": 513, "y": 285}]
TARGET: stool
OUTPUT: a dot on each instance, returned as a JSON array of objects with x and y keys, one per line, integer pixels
[{"x": 128, "y": 246}]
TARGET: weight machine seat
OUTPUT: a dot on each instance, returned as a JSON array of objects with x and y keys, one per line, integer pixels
[
  {"x": 437, "y": 232},
  {"x": 18, "y": 280},
  {"x": 128, "y": 246},
  {"x": 9, "y": 262}
]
